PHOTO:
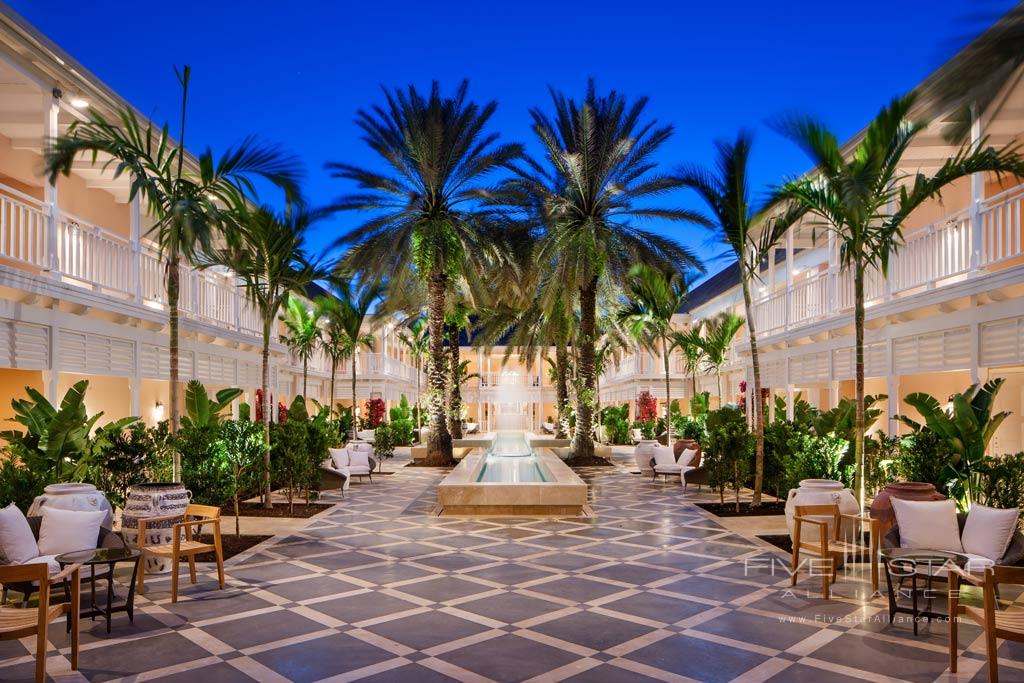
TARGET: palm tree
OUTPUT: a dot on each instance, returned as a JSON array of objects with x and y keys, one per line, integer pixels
[
  {"x": 304, "y": 335},
  {"x": 719, "y": 333},
  {"x": 272, "y": 264},
  {"x": 689, "y": 341},
  {"x": 416, "y": 340},
  {"x": 457, "y": 319},
  {"x": 653, "y": 297},
  {"x": 429, "y": 219},
  {"x": 741, "y": 225},
  {"x": 353, "y": 303},
  {"x": 191, "y": 203},
  {"x": 864, "y": 196},
  {"x": 599, "y": 163}
]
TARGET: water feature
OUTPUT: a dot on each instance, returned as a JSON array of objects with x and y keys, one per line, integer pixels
[{"x": 511, "y": 460}]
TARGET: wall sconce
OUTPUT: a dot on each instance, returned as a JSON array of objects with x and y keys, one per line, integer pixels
[{"x": 158, "y": 412}]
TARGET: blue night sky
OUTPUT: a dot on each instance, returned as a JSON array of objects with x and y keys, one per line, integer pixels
[{"x": 295, "y": 73}]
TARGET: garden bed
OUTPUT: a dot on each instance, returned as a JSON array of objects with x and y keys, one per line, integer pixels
[
  {"x": 280, "y": 509},
  {"x": 729, "y": 509},
  {"x": 592, "y": 461},
  {"x": 231, "y": 545}
]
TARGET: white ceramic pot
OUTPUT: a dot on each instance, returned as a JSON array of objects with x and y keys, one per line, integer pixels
[
  {"x": 823, "y": 492},
  {"x": 73, "y": 496},
  {"x": 642, "y": 454},
  {"x": 154, "y": 500}
]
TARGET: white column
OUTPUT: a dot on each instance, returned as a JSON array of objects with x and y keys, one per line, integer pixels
[
  {"x": 135, "y": 383},
  {"x": 976, "y": 371},
  {"x": 833, "y": 275},
  {"x": 771, "y": 270},
  {"x": 892, "y": 387},
  {"x": 833, "y": 394},
  {"x": 135, "y": 229},
  {"x": 977, "y": 195},
  {"x": 51, "y": 129},
  {"x": 52, "y": 376},
  {"x": 789, "y": 276}
]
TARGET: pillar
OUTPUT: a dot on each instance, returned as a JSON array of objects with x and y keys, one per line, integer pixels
[
  {"x": 977, "y": 196},
  {"x": 51, "y": 130},
  {"x": 135, "y": 227}
]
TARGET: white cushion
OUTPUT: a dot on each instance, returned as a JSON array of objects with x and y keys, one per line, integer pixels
[
  {"x": 674, "y": 468},
  {"x": 17, "y": 544},
  {"x": 339, "y": 457},
  {"x": 687, "y": 456},
  {"x": 63, "y": 531},
  {"x": 928, "y": 524},
  {"x": 663, "y": 455},
  {"x": 51, "y": 561},
  {"x": 988, "y": 531},
  {"x": 358, "y": 459},
  {"x": 358, "y": 471}
]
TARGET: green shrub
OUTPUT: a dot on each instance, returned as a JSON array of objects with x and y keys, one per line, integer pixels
[
  {"x": 19, "y": 484},
  {"x": 777, "y": 437},
  {"x": 616, "y": 423},
  {"x": 128, "y": 457},
  {"x": 816, "y": 457},
  {"x": 205, "y": 468},
  {"x": 243, "y": 447},
  {"x": 728, "y": 450},
  {"x": 1001, "y": 481},
  {"x": 384, "y": 441},
  {"x": 923, "y": 456},
  {"x": 648, "y": 428}
]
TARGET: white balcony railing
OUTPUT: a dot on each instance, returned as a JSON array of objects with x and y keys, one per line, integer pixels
[
  {"x": 931, "y": 257},
  {"x": 509, "y": 379},
  {"x": 82, "y": 253}
]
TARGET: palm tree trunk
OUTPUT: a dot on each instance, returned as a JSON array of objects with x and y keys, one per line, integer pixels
[
  {"x": 305, "y": 376},
  {"x": 455, "y": 400},
  {"x": 173, "y": 292},
  {"x": 265, "y": 407},
  {"x": 561, "y": 387},
  {"x": 583, "y": 441},
  {"x": 668, "y": 391},
  {"x": 755, "y": 396},
  {"x": 858, "y": 433},
  {"x": 721, "y": 397},
  {"x": 439, "y": 447},
  {"x": 419, "y": 410},
  {"x": 330, "y": 399},
  {"x": 355, "y": 420}
]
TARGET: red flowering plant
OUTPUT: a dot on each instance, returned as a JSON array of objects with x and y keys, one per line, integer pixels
[
  {"x": 647, "y": 415},
  {"x": 282, "y": 412},
  {"x": 374, "y": 413}
]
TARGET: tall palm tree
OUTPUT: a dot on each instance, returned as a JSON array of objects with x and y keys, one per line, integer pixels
[
  {"x": 304, "y": 335},
  {"x": 864, "y": 196},
  {"x": 652, "y": 298},
  {"x": 689, "y": 342},
  {"x": 415, "y": 338},
  {"x": 457, "y": 320},
  {"x": 355, "y": 301},
  {"x": 272, "y": 263},
  {"x": 741, "y": 224},
  {"x": 191, "y": 203},
  {"x": 715, "y": 343},
  {"x": 429, "y": 221},
  {"x": 598, "y": 169}
]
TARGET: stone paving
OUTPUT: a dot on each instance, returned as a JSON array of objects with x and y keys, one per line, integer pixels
[{"x": 377, "y": 589}]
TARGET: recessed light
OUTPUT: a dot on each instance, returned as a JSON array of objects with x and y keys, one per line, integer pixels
[{"x": 79, "y": 103}]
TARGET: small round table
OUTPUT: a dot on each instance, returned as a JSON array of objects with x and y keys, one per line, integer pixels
[
  {"x": 96, "y": 557},
  {"x": 903, "y": 563}
]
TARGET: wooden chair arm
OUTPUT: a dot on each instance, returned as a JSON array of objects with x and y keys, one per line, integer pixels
[
  {"x": 70, "y": 570},
  {"x": 196, "y": 522},
  {"x": 146, "y": 521},
  {"x": 967, "y": 576},
  {"x": 808, "y": 520}
]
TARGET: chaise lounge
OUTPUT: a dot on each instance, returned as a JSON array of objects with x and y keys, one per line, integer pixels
[{"x": 354, "y": 460}]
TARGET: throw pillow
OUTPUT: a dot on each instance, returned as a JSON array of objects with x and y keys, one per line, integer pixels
[
  {"x": 359, "y": 458},
  {"x": 988, "y": 531},
  {"x": 16, "y": 540},
  {"x": 63, "y": 531},
  {"x": 928, "y": 524},
  {"x": 339, "y": 456},
  {"x": 663, "y": 455},
  {"x": 687, "y": 457}
]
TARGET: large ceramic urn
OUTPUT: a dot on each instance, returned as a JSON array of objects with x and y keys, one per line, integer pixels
[
  {"x": 642, "y": 454},
  {"x": 73, "y": 496},
  {"x": 154, "y": 500},
  {"x": 881, "y": 506},
  {"x": 823, "y": 492}
]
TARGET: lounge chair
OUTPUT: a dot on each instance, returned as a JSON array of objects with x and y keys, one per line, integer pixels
[
  {"x": 996, "y": 621},
  {"x": 354, "y": 460}
]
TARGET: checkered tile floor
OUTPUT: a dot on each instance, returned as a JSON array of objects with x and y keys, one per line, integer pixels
[{"x": 375, "y": 589}]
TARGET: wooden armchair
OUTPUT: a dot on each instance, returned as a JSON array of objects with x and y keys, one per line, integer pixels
[
  {"x": 830, "y": 549},
  {"x": 1007, "y": 624},
  {"x": 19, "y": 622},
  {"x": 195, "y": 517}
]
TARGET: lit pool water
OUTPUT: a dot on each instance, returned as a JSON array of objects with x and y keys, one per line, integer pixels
[{"x": 510, "y": 460}]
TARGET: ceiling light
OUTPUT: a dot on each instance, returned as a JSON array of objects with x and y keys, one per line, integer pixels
[{"x": 79, "y": 103}]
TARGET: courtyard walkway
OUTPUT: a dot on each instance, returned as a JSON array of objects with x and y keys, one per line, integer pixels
[{"x": 376, "y": 589}]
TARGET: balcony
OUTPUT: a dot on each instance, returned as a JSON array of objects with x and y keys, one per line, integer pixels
[
  {"x": 958, "y": 247},
  {"x": 79, "y": 253}
]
